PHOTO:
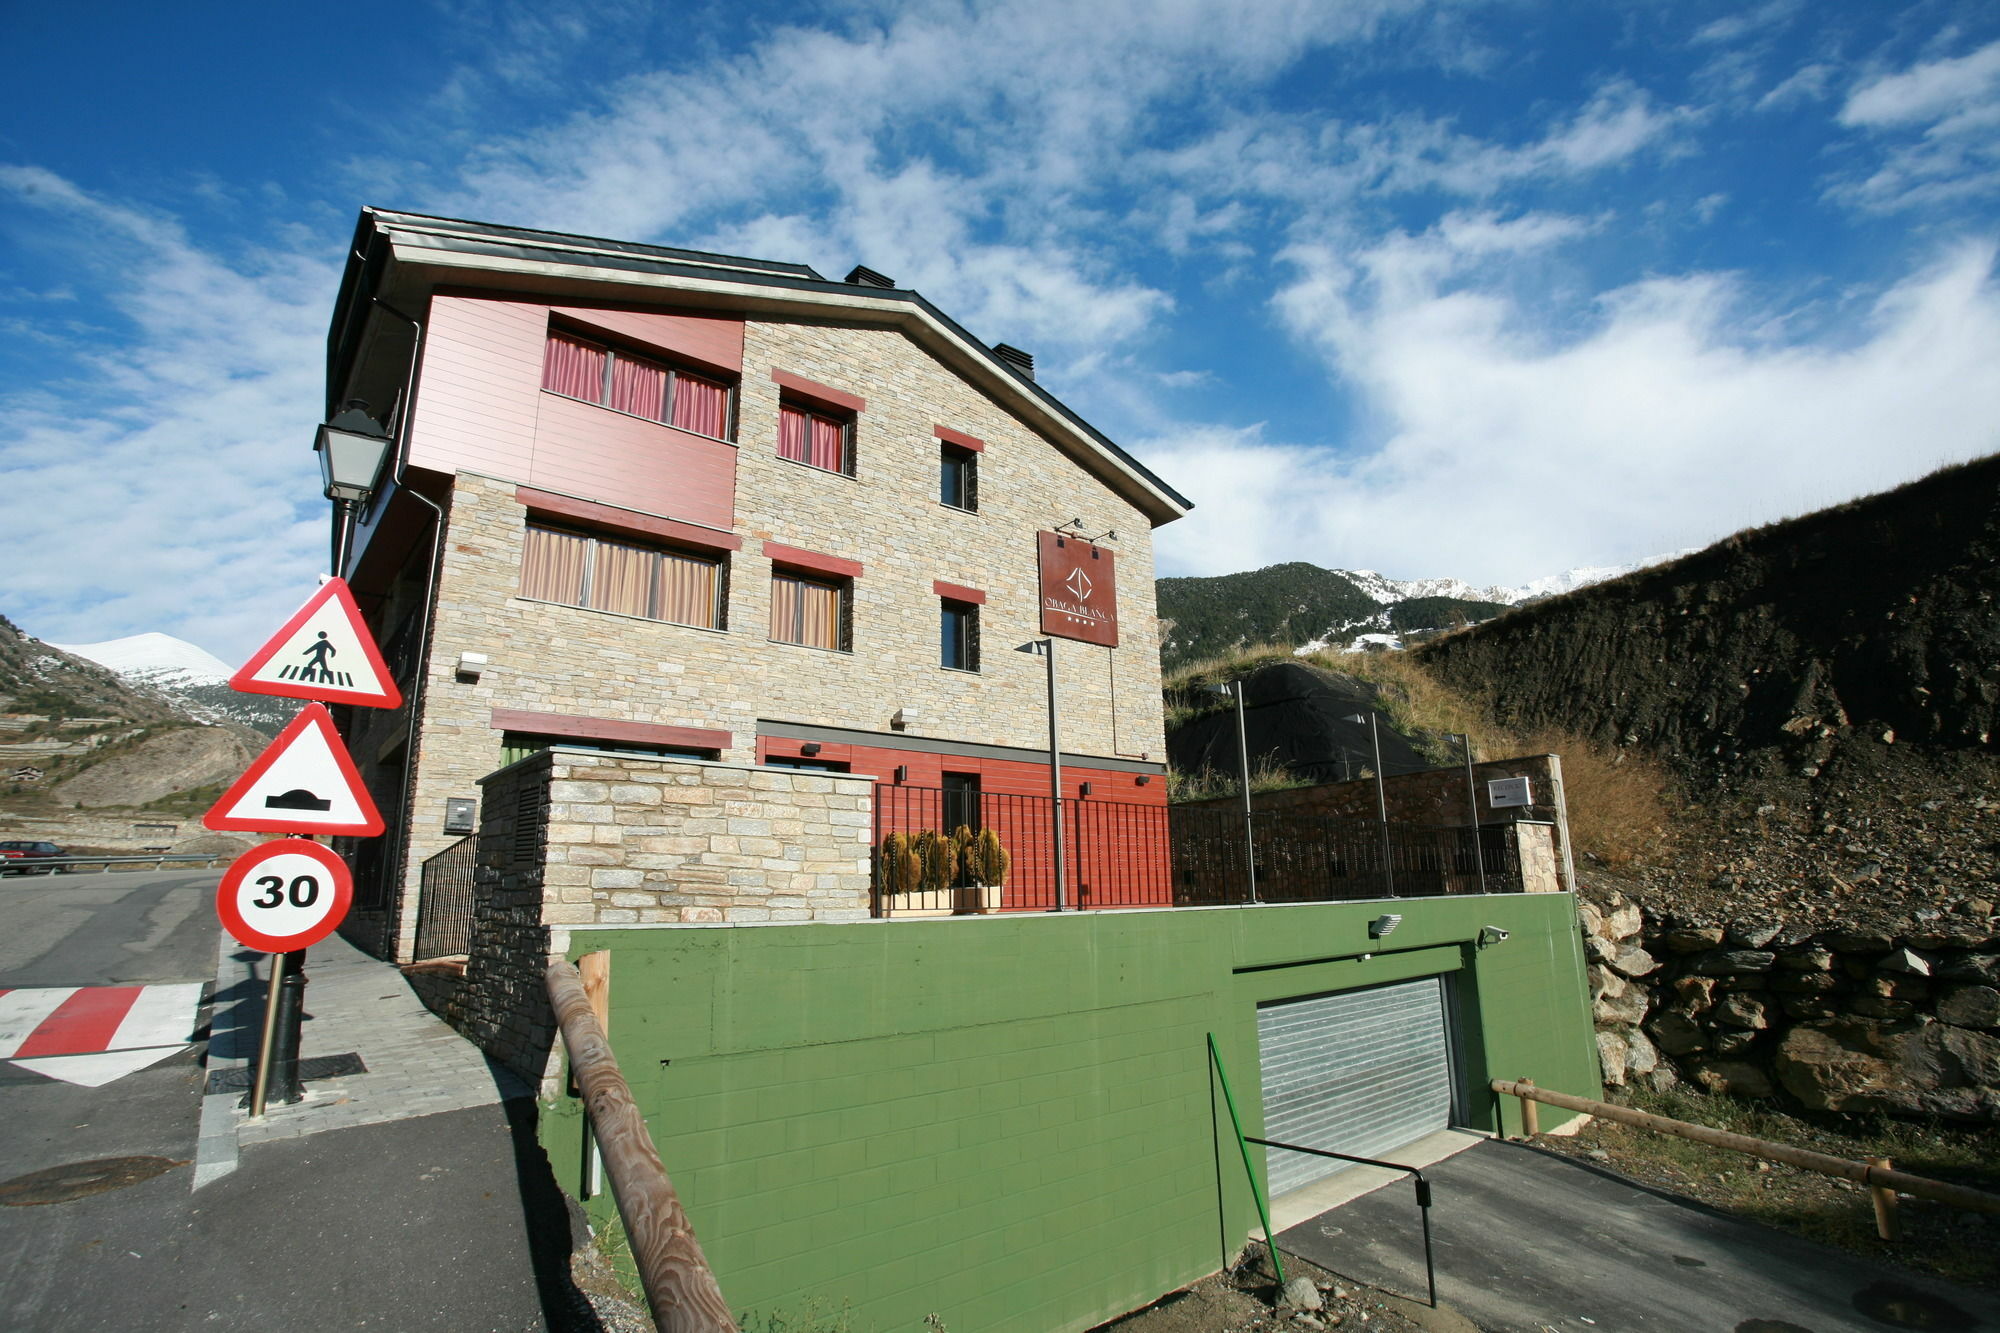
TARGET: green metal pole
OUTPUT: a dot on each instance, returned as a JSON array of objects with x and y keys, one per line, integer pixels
[{"x": 1263, "y": 1214}]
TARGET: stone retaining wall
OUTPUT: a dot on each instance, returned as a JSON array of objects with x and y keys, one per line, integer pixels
[
  {"x": 574, "y": 838},
  {"x": 1836, "y": 1020}
]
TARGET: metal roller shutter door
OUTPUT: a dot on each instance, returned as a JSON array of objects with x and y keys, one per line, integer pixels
[{"x": 1363, "y": 1072}]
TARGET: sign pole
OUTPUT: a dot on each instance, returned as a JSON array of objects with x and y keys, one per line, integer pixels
[{"x": 270, "y": 1032}]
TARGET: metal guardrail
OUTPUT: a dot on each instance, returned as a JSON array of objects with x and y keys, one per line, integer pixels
[
  {"x": 1423, "y": 1198},
  {"x": 157, "y": 860},
  {"x": 680, "y": 1287}
]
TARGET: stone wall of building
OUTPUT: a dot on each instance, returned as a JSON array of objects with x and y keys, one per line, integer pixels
[
  {"x": 572, "y": 838},
  {"x": 559, "y": 659}
]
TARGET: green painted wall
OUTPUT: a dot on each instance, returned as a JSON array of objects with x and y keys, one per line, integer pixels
[{"x": 1010, "y": 1121}]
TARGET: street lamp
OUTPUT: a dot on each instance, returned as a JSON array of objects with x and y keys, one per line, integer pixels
[
  {"x": 1234, "y": 690},
  {"x": 1381, "y": 797},
  {"x": 1471, "y": 804},
  {"x": 351, "y": 450},
  {"x": 1046, "y": 648}
]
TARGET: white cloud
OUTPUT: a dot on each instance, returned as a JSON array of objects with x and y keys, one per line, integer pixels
[
  {"x": 1932, "y": 91},
  {"x": 169, "y": 483},
  {"x": 1505, "y": 452},
  {"x": 1808, "y": 83},
  {"x": 1940, "y": 123}
]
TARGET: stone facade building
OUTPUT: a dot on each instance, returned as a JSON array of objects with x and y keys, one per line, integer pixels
[{"x": 699, "y": 508}]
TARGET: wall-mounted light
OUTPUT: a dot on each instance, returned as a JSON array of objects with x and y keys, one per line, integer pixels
[
  {"x": 1382, "y": 925},
  {"x": 809, "y": 749},
  {"x": 471, "y": 666},
  {"x": 1145, "y": 778},
  {"x": 902, "y": 773},
  {"x": 904, "y": 718},
  {"x": 1083, "y": 789}
]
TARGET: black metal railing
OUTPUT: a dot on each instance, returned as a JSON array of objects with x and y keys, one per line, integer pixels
[
  {"x": 444, "y": 913},
  {"x": 1123, "y": 854}
]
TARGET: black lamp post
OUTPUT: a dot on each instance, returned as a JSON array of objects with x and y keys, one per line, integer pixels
[
  {"x": 1046, "y": 649},
  {"x": 1381, "y": 797},
  {"x": 351, "y": 449},
  {"x": 1234, "y": 690}
]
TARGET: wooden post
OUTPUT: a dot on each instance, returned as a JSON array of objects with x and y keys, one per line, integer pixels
[
  {"x": 1885, "y": 1205},
  {"x": 680, "y": 1287},
  {"x": 595, "y": 969},
  {"x": 1531, "y": 1114}
]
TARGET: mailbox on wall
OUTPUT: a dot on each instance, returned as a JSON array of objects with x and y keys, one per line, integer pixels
[{"x": 460, "y": 814}]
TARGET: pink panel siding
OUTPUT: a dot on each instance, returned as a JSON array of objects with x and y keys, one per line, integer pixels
[
  {"x": 480, "y": 408},
  {"x": 595, "y": 453},
  {"x": 481, "y": 387},
  {"x": 714, "y": 341}
]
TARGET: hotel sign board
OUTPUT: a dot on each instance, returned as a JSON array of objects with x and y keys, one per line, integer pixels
[{"x": 1079, "y": 590}]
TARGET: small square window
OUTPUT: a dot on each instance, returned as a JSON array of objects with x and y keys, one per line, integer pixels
[
  {"x": 958, "y": 635},
  {"x": 816, "y": 438},
  {"x": 958, "y": 478}
]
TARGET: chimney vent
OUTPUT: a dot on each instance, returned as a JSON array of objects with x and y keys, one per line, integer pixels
[
  {"x": 863, "y": 276},
  {"x": 1016, "y": 358}
]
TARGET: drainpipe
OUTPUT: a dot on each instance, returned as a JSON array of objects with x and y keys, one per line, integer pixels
[{"x": 419, "y": 690}]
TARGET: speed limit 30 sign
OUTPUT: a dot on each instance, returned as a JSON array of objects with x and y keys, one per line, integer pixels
[{"x": 284, "y": 895}]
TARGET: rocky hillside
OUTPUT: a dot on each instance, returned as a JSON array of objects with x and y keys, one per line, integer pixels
[
  {"x": 76, "y": 737},
  {"x": 1828, "y": 691},
  {"x": 1767, "y": 652}
]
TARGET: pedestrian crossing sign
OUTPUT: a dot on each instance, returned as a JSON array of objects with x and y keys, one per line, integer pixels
[{"x": 323, "y": 652}]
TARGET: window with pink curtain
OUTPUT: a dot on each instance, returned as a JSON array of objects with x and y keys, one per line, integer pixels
[
  {"x": 701, "y": 406},
  {"x": 806, "y": 611},
  {"x": 643, "y": 388},
  {"x": 638, "y": 388},
  {"x": 574, "y": 368},
  {"x": 813, "y": 437}
]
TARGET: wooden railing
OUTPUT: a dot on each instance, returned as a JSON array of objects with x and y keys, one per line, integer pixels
[
  {"x": 1882, "y": 1180},
  {"x": 680, "y": 1286}
]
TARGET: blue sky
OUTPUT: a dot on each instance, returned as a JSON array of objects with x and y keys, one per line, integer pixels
[{"x": 1486, "y": 290}]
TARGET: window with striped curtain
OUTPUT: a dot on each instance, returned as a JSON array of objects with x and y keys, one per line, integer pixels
[
  {"x": 606, "y": 574},
  {"x": 578, "y": 368},
  {"x": 808, "y": 611}
]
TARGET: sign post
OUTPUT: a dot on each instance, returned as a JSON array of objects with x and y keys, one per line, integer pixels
[{"x": 284, "y": 896}]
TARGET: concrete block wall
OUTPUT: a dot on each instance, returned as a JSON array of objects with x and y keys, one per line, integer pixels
[{"x": 572, "y": 838}]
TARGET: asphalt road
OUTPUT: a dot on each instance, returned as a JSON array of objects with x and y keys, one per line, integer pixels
[
  {"x": 1530, "y": 1242},
  {"x": 447, "y": 1222},
  {"x": 101, "y": 1261}
]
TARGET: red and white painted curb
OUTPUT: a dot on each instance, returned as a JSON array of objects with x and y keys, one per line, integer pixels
[{"x": 90, "y": 1035}]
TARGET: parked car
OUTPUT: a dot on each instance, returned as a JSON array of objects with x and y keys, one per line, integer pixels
[{"x": 18, "y": 857}]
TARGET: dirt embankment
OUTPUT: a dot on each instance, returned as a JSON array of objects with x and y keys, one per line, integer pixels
[{"x": 1762, "y": 654}]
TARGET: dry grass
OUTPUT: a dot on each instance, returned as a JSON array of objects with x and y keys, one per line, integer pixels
[
  {"x": 1267, "y": 774},
  {"x": 1621, "y": 803}
]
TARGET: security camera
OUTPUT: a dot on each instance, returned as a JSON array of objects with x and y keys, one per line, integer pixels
[{"x": 1491, "y": 934}]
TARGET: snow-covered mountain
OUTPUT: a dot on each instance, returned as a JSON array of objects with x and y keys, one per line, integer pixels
[
  {"x": 1390, "y": 591},
  {"x": 192, "y": 677},
  {"x": 159, "y": 660}
]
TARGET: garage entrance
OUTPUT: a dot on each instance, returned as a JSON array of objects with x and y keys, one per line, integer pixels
[{"x": 1361, "y": 1072}]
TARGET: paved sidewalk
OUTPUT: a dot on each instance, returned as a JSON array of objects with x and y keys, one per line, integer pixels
[{"x": 416, "y": 1065}]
